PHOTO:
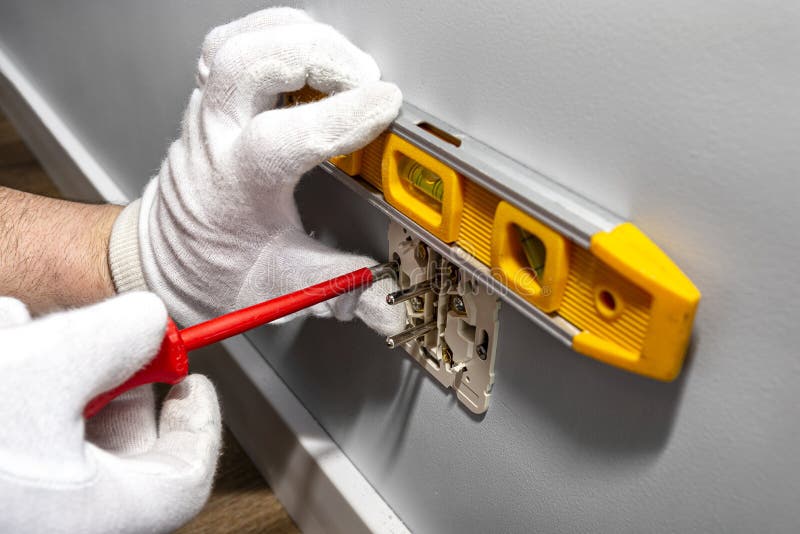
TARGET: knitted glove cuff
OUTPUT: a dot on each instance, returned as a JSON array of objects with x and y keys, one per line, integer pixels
[{"x": 123, "y": 251}]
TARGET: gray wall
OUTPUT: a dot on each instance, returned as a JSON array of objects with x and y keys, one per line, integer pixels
[{"x": 680, "y": 115}]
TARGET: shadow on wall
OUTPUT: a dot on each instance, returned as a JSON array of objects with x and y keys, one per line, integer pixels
[
  {"x": 339, "y": 369},
  {"x": 597, "y": 406},
  {"x": 546, "y": 386}
]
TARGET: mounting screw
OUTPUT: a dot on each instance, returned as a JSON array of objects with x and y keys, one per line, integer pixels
[
  {"x": 481, "y": 350},
  {"x": 417, "y": 304},
  {"x": 457, "y": 303},
  {"x": 447, "y": 354},
  {"x": 421, "y": 253}
]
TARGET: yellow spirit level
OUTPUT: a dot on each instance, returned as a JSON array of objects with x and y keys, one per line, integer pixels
[{"x": 586, "y": 275}]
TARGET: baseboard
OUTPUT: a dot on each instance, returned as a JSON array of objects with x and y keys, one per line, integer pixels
[
  {"x": 317, "y": 484},
  {"x": 71, "y": 167}
]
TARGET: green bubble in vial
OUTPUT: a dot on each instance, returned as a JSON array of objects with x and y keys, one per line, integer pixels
[
  {"x": 534, "y": 250},
  {"x": 422, "y": 178}
]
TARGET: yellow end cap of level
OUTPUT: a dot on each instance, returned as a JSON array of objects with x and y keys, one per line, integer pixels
[
  {"x": 674, "y": 302},
  {"x": 442, "y": 221}
]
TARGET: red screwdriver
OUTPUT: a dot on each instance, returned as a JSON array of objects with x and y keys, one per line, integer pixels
[{"x": 171, "y": 364}]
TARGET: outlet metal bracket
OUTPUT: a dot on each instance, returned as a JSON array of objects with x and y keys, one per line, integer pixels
[{"x": 460, "y": 351}]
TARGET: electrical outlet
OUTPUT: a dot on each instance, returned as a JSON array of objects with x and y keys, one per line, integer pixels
[{"x": 453, "y": 320}]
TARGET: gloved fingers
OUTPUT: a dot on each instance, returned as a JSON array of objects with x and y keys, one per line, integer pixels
[
  {"x": 86, "y": 351},
  {"x": 168, "y": 485},
  {"x": 191, "y": 410},
  {"x": 381, "y": 317},
  {"x": 294, "y": 260},
  {"x": 190, "y": 432},
  {"x": 371, "y": 307},
  {"x": 13, "y": 312},
  {"x": 252, "y": 69},
  {"x": 254, "y": 22},
  {"x": 278, "y": 146},
  {"x": 127, "y": 426},
  {"x": 190, "y": 437}
]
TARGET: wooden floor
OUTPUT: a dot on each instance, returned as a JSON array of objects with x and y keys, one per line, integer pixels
[
  {"x": 241, "y": 500},
  {"x": 18, "y": 168}
]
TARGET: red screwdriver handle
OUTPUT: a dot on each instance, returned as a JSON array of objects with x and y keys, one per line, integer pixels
[{"x": 170, "y": 366}]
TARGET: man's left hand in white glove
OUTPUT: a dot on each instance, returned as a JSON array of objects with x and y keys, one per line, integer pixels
[
  {"x": 217, "y": 229},
  {"x": 121, "y": 471}
]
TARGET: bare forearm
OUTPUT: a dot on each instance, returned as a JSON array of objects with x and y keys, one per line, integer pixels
[{"x": 54, "y": 253}]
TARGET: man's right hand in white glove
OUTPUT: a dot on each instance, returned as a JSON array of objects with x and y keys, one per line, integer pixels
[
  {"x": 127, "y": 473},
  {"x": 218, "y": 228}
]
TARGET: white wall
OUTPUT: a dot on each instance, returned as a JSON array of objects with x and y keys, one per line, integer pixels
[{"x": 681, "y": 115}]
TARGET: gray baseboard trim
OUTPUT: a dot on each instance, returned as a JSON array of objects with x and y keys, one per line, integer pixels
[
  {"x": 319, "y": 486},
  {"x": 315, "y": 481},
  {"x": 75, "y": 172}
]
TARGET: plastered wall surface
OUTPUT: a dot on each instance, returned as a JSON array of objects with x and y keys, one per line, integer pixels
[{"x": 680, "y": 115}]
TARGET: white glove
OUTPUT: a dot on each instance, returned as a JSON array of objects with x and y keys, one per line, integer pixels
[
  {"x": 133, "y": 477},
  {"x": 218, "y": 227}
]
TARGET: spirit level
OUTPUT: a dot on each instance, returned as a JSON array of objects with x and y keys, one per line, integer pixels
[{"x": 584, "y": 274}]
